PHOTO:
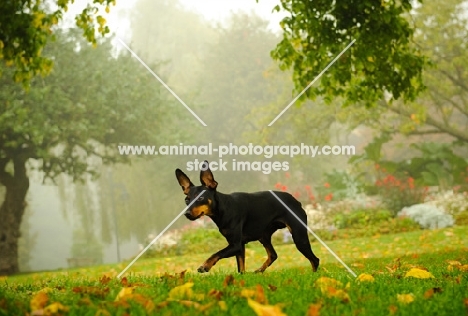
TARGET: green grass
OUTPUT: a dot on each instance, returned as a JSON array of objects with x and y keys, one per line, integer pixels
[{"x": 289, "y": 283}]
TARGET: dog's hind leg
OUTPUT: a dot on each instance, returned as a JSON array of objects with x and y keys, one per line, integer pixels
[
  {"x": 266, "y": 242},
  {"x": 240, "y": 258},
  {"x": 301, "y": 240}
]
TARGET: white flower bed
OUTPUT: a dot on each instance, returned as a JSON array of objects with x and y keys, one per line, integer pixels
[{"x": 428, "y": 216}]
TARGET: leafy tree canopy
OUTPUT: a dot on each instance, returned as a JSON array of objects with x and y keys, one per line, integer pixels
[
  {"x": 26, "y": 26},
  {"x": 382, "y": 62}
]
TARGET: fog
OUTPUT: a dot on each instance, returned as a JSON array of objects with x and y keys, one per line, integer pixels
[{"x": 215, "y": 56}]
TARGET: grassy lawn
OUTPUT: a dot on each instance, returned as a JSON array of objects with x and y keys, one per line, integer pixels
[{"x": 439, "y": 260}]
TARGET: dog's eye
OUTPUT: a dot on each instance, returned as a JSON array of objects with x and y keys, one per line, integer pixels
[
  {"x": 187, "y": 201},
  {"x": 201, "y": 198}
]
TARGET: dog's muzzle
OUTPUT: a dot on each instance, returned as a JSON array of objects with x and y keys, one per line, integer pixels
[{"x": 189, "y": 216}]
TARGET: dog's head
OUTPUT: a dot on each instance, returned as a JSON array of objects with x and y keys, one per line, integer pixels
[{"x": 205, "y": 203}]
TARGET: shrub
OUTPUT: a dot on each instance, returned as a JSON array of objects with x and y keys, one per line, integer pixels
[
  {"x": 399, "y": 192},
  {"x": 361, "y": 218},
  {"x": 428, "y": 216},
  {"x": 451, "y": 202}
]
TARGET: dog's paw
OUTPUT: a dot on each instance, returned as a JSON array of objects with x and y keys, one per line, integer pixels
[
  {"x": 315, "y": 265},
  {"x": 203, "y": 269},
  {"x": 259, "y": 270}
]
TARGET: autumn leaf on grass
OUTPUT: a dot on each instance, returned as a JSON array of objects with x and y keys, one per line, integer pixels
[
  {"x": 405, "y": 298},
  {"x": 55, "y": 308},
  {"x": 332, "y": 288},
  {"x": 184, "y": 292},
  {"x": 196, "y": 305},
  {"x": 124, "y": 293},
  {"x": 392, "y": 309},
  {"x": 228, "y": 280},
  {"x": 272, "y": 287},
  {"x": 215, "y": 294},
  {"x": 257, "y": 294},
  {"x": 324, "y": 283},
  {"x": 314, "y": 309},
  {"x": 337, "y": 293},
  {"x": 364, "y": 277},
  {"x": 418, "y": 273},
  {"x": 454, "y": 263},
  {"x": 265, "y": 310},
  {"x": 39, "y": 301},
  {"x": 104, "y": 279},
  {"x": 222, "y": 305},
  {"x": 430, "y": 293}
]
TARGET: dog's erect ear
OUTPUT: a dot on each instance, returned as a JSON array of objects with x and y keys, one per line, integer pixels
[
  {"x": 206, "y": 177},
  {"x": 184, "y": 181}
]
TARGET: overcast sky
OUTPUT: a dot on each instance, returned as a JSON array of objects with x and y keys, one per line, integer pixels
[
  {"x": 218, "y": 10},
  {"x": 212, "y": 10}
]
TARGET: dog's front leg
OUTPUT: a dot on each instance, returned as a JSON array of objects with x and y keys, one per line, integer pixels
[{"x": 230, "y": 251}]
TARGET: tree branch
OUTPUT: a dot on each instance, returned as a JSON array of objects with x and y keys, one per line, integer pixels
[
  {"x": 455, "y": 104},
  {"x": 429, "y": 121}
]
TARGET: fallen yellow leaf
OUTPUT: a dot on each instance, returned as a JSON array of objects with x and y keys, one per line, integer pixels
[
  {"x": 258, "y": 294},
  {"x": 54, "y": 308},
  {"x": 364, "y": 277},
  {"x": 222, "y": 305},
  {"x": 38, "y": 301},
  {"x": 184, "y": 292},
  {"x": 124, "y": 292},
  {"x": 337, "y": 293},
  {"x": 265, "y": 310},
  {"x": 181, "y": 292},
  {"x": 463, "y": 268},
  {"x": 405, "y": 298},
  {"x": 324, "y": 283},
  {"x": 454, "y": 263},
  {"x": 247, "y": 293},
  {"x": 419, "y": 274}
]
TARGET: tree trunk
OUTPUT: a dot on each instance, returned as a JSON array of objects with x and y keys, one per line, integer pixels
[{"x": 11, "y": 214}]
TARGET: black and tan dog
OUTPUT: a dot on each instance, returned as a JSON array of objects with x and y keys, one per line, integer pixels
[{"x": 245, "y": 217}]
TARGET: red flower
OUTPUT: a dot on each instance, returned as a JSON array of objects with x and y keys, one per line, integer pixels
[
  {"x": 327, "y": 185},
  {"x": 287, "y": 175},
  {"x": 297, "y": 194},
  {"x": 377, "y": 166},
  {"x": 328, "y": 197},
  {"x": 278, "y": 185},
  {"x": 311, "y": 197},
  {"x": 307, "y": 187},
  {"x": 284, "y": 188},
  {"x": 378, "y": 183}
]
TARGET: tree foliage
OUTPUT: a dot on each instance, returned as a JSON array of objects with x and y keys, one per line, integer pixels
[
  {"x": 383, "y": 60},
  {"x": 27, "y": 25},
  {"x": 71, "y": 122}
]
